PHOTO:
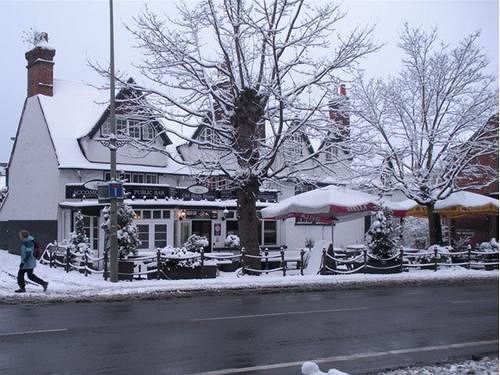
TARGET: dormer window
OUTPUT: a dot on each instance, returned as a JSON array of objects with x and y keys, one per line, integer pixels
[
  {"x": 129, "y": 128},
  {"x": 209, "y": 135},
  {"x": 294, "y": 147},
  {"x": 148, "y": 132}
]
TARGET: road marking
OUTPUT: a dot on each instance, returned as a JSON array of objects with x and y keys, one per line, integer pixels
[
  {"x": 278, "y": 314},
  {"x": 34, "y": 332},
  {"x": 472, "y": 300},
  {"x": 348, "y": 357}
]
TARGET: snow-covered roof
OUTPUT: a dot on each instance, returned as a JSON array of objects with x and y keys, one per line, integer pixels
[{"x": 71, "y": 113}]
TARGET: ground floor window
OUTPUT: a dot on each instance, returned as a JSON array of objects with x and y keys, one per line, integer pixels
[
  {"x": 232, "y": 227},
  {"x": 160, "y": 235},
  {"x": 270, "y": 233},
  {"x": 143, "y": 232},
  {"x": 91, "y": 229}
]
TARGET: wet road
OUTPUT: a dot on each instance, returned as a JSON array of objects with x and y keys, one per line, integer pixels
[{"x": 355, "y": 331}]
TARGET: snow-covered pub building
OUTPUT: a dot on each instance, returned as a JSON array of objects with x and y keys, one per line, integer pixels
[{"x": 61, "y": 145}]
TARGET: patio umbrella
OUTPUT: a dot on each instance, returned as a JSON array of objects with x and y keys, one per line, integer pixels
[
  {"x": 459, "y": 204},
  {"x": 326, "y": 205}
]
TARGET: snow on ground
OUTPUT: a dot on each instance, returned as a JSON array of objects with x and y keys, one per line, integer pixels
[
  {"x": 485, "y": 366},
  {"x": 74, "y": 286}
]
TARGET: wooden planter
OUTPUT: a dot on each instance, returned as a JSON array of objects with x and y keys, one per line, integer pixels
[
  {"x": 183, "y": 273},
  {"x": 383, "y": 263},
  {"x": 229, "y": 267},
  {"x": 126, "y": 268}
]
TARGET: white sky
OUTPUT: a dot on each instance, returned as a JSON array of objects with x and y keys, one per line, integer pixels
[{"x": 79, "y": 31}]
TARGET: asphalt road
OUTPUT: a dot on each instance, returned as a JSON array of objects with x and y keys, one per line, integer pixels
[{"x": 353, "y": 330}]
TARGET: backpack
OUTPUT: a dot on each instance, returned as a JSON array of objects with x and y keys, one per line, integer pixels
[{"x": 37, "y": 251}]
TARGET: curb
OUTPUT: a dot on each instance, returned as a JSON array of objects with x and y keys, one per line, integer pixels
[{"x": 243, "y": 290}]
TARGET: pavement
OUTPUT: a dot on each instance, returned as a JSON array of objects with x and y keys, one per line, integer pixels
[{"x": 356, "y": 331}]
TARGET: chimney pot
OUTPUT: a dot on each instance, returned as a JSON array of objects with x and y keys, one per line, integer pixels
[
  {"x": 342, "y": 90},
  {"x": 40, "y": 65}
]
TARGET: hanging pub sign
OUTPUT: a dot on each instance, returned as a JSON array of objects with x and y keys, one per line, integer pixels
[{"x": 198, "y": 189}]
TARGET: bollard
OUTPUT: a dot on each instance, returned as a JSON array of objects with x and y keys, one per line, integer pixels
[
  {"x": 51, "y": 259},
  {"x": 202, "y": 251},
  {"x": 469, "y": 249},
  {"x": 67, "y": 259},
  {"x": 158, "y": 262},
  {"x": 266, "y": 254},
  {"x": 401, "y": 253},
  {"x": 283, "y": 264},
  {"x": 85, "y": 260},
  {"x": 435, "y": 259},
  {"x": 243, "y": 259},
  {"x": 365, "y": 260},
  {"x": 105, "y": 273},
  {"x": 323, "y": 262},
  {"x": 302, "y": 262}
]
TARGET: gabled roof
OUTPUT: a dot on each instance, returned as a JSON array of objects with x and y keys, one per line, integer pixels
[
  {"x": 70, "y": 114},
  {"x": 73, "y": 112},
  {"x": 123, "y": 95}
]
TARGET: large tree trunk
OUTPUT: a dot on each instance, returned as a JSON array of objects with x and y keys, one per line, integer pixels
[
  {"x": 248, "y": 223},
  {"x": 435, "y": 232}
]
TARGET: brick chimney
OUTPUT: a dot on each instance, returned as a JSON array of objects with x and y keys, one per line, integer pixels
[
  {"x": 339, "y": 115},
  {"x": 41, "y": 67}
]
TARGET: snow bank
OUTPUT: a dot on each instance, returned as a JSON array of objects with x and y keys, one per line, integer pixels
[
  {"x": 485, "y": 366},
  {"x": 74, "y": 286}
]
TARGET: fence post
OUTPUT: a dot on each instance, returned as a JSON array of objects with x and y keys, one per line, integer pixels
[
  {"x": 469, "y": 250},
  {"x": 266, "y": 255},
  {"x": 51, "y": 259},
  {"x": 283, "y": 264},
  {"x": 158, "y": 262},
  {"x": 401, "y": 254},
  {"x": 67, "y": 259},
  {"x": 435, "y": 259},
  {"x": 243, "y": 260},
  {"x": 85, "y": 260},
  {"x": 202, "y": 251},
  {"x": 365, "y": 260},
  {"x": 323, "y": 262},
  {"x": 302, "y": 262}
]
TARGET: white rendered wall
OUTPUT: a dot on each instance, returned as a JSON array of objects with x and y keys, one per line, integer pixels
[
  {"x": 33, "y": 171},
  {"x": 348, "y": 233},
  {"x": 95, "y": 151}
]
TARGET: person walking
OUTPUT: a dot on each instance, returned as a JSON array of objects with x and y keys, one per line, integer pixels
[{"x": 28, "y": 263}]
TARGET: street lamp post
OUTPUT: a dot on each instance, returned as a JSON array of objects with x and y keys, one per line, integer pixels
[{"x": 112, "y": 148}]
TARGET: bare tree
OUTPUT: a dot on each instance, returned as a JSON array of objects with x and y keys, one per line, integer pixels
[
  {"x": 262, "y": 76},
  {"x": 432, "y": 123}
]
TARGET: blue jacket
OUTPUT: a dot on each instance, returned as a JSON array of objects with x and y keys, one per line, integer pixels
[{"x": 28, "y": 260}]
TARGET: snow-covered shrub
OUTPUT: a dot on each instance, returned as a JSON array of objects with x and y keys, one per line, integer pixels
[
  {"x": 232, "y": 240},
  {"x": 488, "y": 247},
  {"x": 181, "y": 257},
  {"x": 128, "y": 237},
  {"x": 78, "y": 240},
  {"x": 381, "y": 237},
  {"x": 196, "y": 243},
  {"x": 415, "y": 232},
  {"x": 309, "y": 243},
  {"x": 430, "y": 256}
]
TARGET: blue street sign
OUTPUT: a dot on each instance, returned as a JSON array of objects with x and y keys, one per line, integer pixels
[{"x": 115, "y": 190}]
